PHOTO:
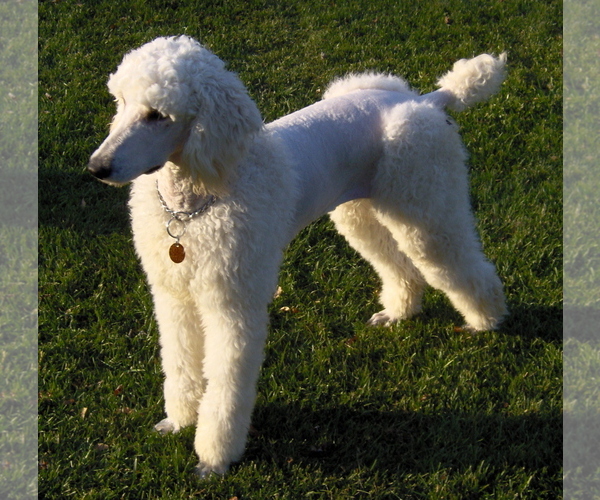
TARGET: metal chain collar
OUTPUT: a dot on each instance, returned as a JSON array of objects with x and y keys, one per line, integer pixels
[{"x": 182, "y": 217}]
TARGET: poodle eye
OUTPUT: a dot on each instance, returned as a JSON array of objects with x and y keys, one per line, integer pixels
[{"x": 155, "y": 116}]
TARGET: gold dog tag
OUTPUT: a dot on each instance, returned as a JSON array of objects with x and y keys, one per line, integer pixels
[{"x": 177, "y": 253}]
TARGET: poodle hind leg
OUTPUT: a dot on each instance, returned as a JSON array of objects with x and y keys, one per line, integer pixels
[
  {"x": 421, "y": 194},
  {"x": 402, "y": 283},
  {"x": 450, "y": 257},
  {"x": 182, "y": 352}
]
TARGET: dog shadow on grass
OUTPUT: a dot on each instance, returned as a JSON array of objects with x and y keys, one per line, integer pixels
[
  {"x": 81, "y": 204},
  {"x": 340, "y": 440}
]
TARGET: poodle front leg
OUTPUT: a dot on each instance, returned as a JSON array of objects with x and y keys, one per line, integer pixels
[
  {"x": 182, "y": 353},
  {"x": 234, "y": 345}
]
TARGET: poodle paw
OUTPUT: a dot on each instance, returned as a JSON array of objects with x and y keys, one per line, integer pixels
[
  {"x": 382, "y": 318},
  {"x": 165, "y": 426},
  {"x": 467, "y": 328},
  {"x": 204, "y": 471}
]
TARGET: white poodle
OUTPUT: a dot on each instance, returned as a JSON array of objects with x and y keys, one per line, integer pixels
[{"x": 226, "y": 193}]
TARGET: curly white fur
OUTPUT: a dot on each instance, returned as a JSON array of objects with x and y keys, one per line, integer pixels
[
  {"x": 473, "y": 80},
  {"x": 387, "y": 163},
  {"x": 354, "y": 81}
]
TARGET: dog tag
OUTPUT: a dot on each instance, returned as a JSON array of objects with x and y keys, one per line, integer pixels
[{"x": 177, "y": 253}]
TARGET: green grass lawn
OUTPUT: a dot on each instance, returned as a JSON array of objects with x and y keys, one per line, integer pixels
[{"x": 419, "y": 410}]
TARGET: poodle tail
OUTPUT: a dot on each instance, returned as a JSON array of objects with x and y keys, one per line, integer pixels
[{"x": 470, "y": 81}]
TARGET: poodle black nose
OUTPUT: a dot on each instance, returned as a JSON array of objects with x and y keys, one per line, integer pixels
[{"x": 99, "y": 168}]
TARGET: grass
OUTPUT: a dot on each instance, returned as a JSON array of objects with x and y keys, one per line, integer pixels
[
  {"x": 18, "y": 251},
  {"x": 416, "y": 411}
]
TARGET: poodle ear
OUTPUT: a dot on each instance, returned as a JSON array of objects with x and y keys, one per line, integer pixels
[{"x": 227, "y": 119}]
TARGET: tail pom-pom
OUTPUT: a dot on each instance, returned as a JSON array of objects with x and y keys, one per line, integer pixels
[{"x": 473, "y": 80}]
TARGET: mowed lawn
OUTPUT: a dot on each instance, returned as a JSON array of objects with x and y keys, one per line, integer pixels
[{"x": 419, "y": 410}]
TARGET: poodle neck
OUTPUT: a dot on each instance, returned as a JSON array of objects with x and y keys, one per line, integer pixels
[{"x": 178, "y": 189}]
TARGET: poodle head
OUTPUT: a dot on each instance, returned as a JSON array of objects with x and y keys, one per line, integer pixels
[{"x": 176, "y": 101}]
